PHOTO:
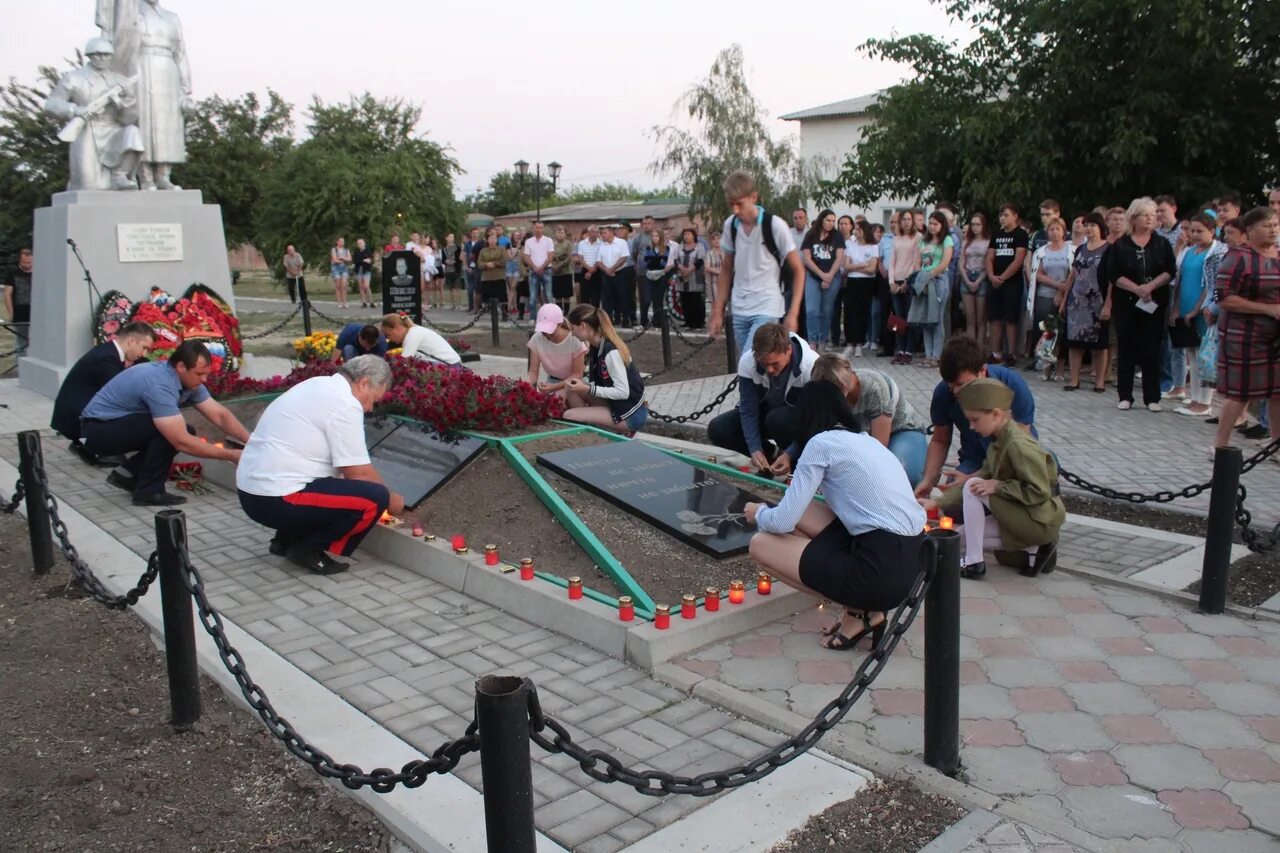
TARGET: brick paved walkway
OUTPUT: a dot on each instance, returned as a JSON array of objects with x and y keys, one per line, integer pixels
[{"x": 1114, "y": 711}]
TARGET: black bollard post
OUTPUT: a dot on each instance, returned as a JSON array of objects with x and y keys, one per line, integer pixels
[
  {"x": 502, "y": 714},
  {"x": 306, "y": 316},
  {"x": 664, "y": 325},
  {"x": 942, "y": 658},
  {"x": 30, "y": 464},
  {"x": 179, "y": 625},
  {"x": 730, "y": 347},
  {"x": 1216, "y": 569},
  {"x": 493, "y": 319}
]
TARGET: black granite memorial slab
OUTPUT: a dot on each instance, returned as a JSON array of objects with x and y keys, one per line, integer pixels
[
  {"x": 401, "y": 290},
  {"x": 416, "y": 462},
  {"x": 376, "y": 428},
  {"x": 694, "y": 505}
]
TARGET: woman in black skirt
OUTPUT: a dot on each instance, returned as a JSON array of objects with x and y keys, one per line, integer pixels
[{"x": 861, "y": 548}]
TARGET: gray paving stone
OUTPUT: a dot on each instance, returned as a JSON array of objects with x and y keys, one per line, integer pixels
[
  {"x": 1211, "y": 730},
  {"x": 1011, "y": 770},
  {"x": 1220, "y": 841},
  {"x": 758, "y": 674},
  {"x": 1021, "y": 672},
  {"x": 902, "y": 735},
  {"x": 659, "y": 733},
  {"x": 1000, "y": 625},
  {"x": 1064, "y": 731},
  {"x": 1150, "y": 670},
  {"x": 611, "y": 720},
  {"x": 1068, "y": 648},
  {"x": 1164, "y": 766},
  {"x": 1104, "y": 625},
  {"x": 589, "y": 709},
  {"x": 1110, "y": 698},
  {"x": 1250, "y": 699},
  {"x": 985, "y": 701},
  {"x": 1133, "y": 604},
  {"x": 1185, "y": 646},
  {"x": 1121, "y": 812},
  {"x": 632, "y": 831}
]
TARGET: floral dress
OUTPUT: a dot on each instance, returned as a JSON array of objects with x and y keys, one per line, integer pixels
[{"x": 1085, "y": 327}]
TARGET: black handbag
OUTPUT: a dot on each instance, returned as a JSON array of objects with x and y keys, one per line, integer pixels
[{"x": 1183, "y": 335}]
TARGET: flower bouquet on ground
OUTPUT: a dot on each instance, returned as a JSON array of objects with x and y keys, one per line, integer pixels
[
  {"x": 317, "y": 347},
  {"x": 189, "y": 477},
  {"x": 460, "y": 344}
]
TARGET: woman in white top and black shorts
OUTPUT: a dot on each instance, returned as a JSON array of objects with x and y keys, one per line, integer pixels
[{"x": 862, "y": 547}]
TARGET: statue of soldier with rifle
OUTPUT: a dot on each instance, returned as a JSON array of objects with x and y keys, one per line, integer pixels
[{"x": 102, "y": 122}]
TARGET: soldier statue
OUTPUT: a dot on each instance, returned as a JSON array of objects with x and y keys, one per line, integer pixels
[{"x": 102, "y": 122}]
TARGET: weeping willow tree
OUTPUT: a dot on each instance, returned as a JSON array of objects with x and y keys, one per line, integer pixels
[{"x": 725, "y": 132}]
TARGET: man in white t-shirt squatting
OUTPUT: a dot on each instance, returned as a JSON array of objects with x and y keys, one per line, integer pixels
[
  {"x": 750, "y": 272},
  {"x": 305, "y": 472}
]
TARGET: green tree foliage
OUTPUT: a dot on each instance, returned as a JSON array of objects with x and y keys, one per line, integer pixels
[
  {"x": 363, "y": 172},
  {"x": 231, "y": 146},
  {"x": 33, "y": 163},
  {"x": 507, "y": 194},
  {"x": 1091, "y": 102},
  {"x": 728, "y": 133},
  {"x": 608, "y": 192}
]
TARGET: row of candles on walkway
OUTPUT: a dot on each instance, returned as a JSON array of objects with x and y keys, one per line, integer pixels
[{"x": 626, "y": 608}]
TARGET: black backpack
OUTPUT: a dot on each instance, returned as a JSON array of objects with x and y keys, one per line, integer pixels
[{"x": 770, "y": 243}]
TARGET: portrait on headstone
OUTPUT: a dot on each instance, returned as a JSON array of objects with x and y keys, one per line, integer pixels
[{"x": 401, "y": 293}]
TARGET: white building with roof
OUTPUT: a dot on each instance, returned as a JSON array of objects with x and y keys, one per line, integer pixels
[{"x": 828, "y": 134}]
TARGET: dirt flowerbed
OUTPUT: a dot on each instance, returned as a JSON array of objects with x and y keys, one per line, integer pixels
[
  {"x": 490, "y": 503},
  {"x": 92, "y": 764},
  {"x": 884, "y": 817}
]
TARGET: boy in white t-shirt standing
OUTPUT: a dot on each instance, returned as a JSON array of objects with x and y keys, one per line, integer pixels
[{"x": 753, "y": 261}]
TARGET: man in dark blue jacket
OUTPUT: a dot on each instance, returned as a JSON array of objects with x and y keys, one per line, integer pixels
[{"x": 87, "y": 377}]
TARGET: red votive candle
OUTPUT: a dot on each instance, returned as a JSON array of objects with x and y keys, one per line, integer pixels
[
  {"x": 417, "y": 530},
  {"x": 662, "y": 617},
  {"x": 712, "y": 600},
  {"x": 737, "y": 592},
  {"x": 491, "y": 555},
  {"x": 946, "y": 523},
  {"x": 688, "y": 606},
  {"x": 626, "y": 610},
  {"x": 526, "y": 569},
  {"x": 934, "y": 513},
  {"x": 575, "y": 588},
  {"x": 459, "y": 544},
  {"x": 764, "y": 584}
]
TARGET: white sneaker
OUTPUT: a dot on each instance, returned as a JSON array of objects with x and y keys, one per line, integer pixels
[
  {"x": 1124, "y": 405},
  {"x": 857, "y": 351},
  {"x": 1154, "y": 407}
]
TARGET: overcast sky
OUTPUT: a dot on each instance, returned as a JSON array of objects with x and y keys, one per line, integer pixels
[{"x": 502, "y": 81}]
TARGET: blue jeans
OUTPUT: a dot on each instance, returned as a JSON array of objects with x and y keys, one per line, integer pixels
[
  {"x": 936, "y": 335},
  {"x": 820, "y": 307},
  {"x": 539, "y": 289},
  {"x": 473, "y": 286},
  {"x": 910, "y": 446},
  {"x": 1170, "y": 376},
  {"x": 744, "y": 329}
]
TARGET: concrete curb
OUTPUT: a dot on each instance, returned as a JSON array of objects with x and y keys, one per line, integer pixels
[{"x": 961, "y": 834}]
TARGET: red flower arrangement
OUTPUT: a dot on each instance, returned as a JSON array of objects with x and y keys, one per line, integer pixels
[
  {"x": 438, "y": 396},
  {"x": 459, "y": 344}
]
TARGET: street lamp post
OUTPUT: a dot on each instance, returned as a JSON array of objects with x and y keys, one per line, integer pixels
[{"x": 553, "y": 169}]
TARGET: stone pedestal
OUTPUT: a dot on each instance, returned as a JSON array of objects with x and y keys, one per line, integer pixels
[{"x": 184, "y": 244}]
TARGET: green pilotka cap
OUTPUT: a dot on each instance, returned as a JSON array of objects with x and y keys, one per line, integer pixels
[{"x": 985, "y": 394}]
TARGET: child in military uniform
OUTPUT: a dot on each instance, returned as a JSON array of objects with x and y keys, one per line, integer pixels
[{"x": 1017, "y": 486}]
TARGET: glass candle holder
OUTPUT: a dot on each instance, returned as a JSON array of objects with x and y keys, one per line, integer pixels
[
  {"x": 737, "y": 592},
  {"x": 662, "y": 617},
  {"x": 575, "y": 588},
  {"x": 712, "y": 600},
  {"x": 526, "y": 569},
  {"x": 764, "y": 584},
  {"x": 626, "y": 610},
  {"x": 491, "y": 555},
  {"x": 688, "y": 606}
]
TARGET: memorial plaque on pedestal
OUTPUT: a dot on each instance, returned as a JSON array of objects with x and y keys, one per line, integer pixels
[
  {"x": 694, "y": 505},
  {"x": 401, "y": 290},
  {"x": 416, "y": 462}
]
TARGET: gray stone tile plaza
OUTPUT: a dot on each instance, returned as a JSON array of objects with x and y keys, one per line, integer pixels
[{"x": 1093, "y": 716}]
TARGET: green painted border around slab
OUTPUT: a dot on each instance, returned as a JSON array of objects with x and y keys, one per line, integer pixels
[{"x": 582, "y": 534}]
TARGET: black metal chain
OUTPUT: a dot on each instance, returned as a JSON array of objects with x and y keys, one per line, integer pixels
[
  {"x": 704, "y": 411},
  {"x": 334, "y": 321},
  {"x": 657, "y": 783},
  {"x": 277, "y": 327},
  {"x": 382, "y": 779},
  {"x": 80, "y": 570},
  {"x": 1259, "y": 457},
  {"x": 1253, "y": 540},
  {"x": 446, "y": 330},
  {"x": 19, "y": 492}
]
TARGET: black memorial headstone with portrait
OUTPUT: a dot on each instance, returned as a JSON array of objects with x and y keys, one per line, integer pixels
[
  {"x": 416, "y": 462},
  {"x": 698, "y": 507},
  {"x": 401, "y": 290}
]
